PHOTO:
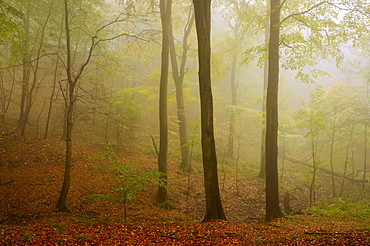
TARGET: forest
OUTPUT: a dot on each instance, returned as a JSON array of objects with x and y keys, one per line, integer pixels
[{"x": 184, "y": 122}]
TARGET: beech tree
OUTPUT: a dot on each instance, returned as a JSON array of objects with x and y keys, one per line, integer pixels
[
  {"x": 313, "y": 118},
  {"x": 214, "y": 209},
  {"x": 165, "y": 10},
  {"x": 30, "y": 88},
  {"x": 74, "y": 73},
  {"x": 69, "y": 101},
  {"x": 178, "y": 73},
  {"x": 243, "y": 20},
  {"x": 272, "y": 181}
]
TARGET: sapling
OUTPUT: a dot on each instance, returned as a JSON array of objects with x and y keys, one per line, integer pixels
[{"x": 131, "y": 179}]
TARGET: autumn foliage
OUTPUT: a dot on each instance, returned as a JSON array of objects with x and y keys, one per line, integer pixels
[{"x": 31, "y": 174}]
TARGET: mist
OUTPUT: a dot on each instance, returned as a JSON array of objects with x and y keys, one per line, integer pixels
[{"x": 96, "y": 95}]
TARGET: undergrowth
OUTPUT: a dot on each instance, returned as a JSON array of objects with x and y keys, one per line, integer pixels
[{"x": 339, "y": 208}]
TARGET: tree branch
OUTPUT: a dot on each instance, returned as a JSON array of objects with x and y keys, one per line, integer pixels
[{"x": 303, "y": 12}]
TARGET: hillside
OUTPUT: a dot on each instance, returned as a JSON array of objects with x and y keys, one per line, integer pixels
[
  {"x": 31, "y": 177},
  {"x": 35, "y": 167}
]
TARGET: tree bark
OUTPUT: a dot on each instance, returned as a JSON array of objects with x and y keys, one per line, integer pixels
[
  {"x": 165, "y": 9},
  {"x": 178, "y": 76},
  {"x": 365, "y": 133},
  {"x": 61, "y": 203},
  {"x": 238, "y": 37},
  {"x": 26, "y": 68},
  {"x": 272, "y": 182},
  {"x": 29, "y": 94},
  {"x": 333, "y": 133},
  {"x": 230, "y": 145},
  {"x": 262, "y": 173},
  {"x": 214, "y": 208}
]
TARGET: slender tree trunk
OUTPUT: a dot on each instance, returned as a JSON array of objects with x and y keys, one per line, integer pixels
[
  {"x": 51, "y": 100},
  {"x": 230, "y": 146},
  {"x": 178, "y": 76},
  {"x": 332, "y": 155},
  {"x": 6, "y": 99},
  {"x": 346, "y": 159},
  {"x": 314, "y": 140},
  {"x": 233, "y": 87},
  {"x": 365, "y": 133},
  {"x": 262, "y": 173},
  {"x": 214, "y": 208},
  {"x": 283, "y": 158},
  {"x": 55, "y": 79},
  {"x": 26, "y": 66},
  {"x": 29, "y": 97},
  {"x": 61, "y": 203},
  {"x": 272, "y": 181},
  {"x": 165, "y": 9}
]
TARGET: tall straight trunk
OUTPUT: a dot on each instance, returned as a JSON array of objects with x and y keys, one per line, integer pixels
[
  {"x": 6, "y": 98},
  {"x": 233, "y": 88},
  {"x": 346, "y": 159},
  {"x": 230, "y": 146},
  {"x": 332, "y": 155},
  {"x": 29, "y": 97},
  {"x": 51, "y": 100},
  {"x": 61, "y": 203},
  {"x": 314, "y": 142},
  {"x": 165, "y": 9},
  {"x": 55, "y": 79},
  {"x": 26, "y": 66},
  {"x": 272, "y": 181},
  {"x": 262, "y": 173},
  {"x": 178, "y": 76},
  {"x": 365, "y": 133},
  {"x": 214, "y": 208}
]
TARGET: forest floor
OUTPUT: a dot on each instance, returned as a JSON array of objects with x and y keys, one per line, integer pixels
[{"x": 31, "y": 174}]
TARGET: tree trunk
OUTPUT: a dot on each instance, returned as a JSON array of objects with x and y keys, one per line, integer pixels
[
  {"x": 233, "y": 87},
  {"x": 6, "y": 98},
  {"x": 214, "y": 208},
  {"x": 349, "y": 145},
  {"x": 365, "y": 133},
  {"x": 26, "y": 67},
  {"x": 29, "y": 95},
  {"x": 230, "y": 146},
  {"x": 262, "y": 173},
  {"x": 165, "y": 9},
  {"x": 323, "y": 170},
  {"x": 55, "y": 79},
  {"x": 272, "y": 182},
  {"x": 51, "y": 98},
  {"x": 178, "y": 76},
  {"x": 61, "y": 204},
  {"x": 332, "y": 154}
]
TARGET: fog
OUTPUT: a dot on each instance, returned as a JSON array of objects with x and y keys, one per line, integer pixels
[{"x": 112, "y": 58}]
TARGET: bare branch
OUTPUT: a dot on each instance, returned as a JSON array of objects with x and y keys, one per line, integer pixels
[
  {"x": 121, "y": 35},
  {"x": 303, "y": 12},
  {"x": 347, "y": 8},
  {"x": 21, "y": 64}
]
